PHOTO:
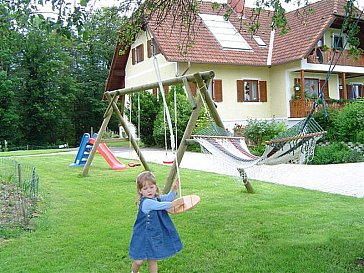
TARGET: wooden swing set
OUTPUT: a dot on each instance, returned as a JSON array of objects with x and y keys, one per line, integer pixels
[
  {"x": 296, "y": 145},
  {"x": 201, "y": 80}
]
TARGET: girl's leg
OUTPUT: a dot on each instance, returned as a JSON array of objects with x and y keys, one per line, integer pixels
[
  {"x": 153, "y": 266},
  {"x": 136, "y": 265}
]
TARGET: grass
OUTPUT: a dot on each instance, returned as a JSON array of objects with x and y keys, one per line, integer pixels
[{"x": 84, "y": 224}]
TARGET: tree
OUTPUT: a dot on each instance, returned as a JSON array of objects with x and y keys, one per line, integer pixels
[
  {"x": 47, "y": 89},
  {"x": 92, "y": 61}
]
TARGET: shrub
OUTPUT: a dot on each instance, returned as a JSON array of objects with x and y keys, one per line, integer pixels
[
  {"x": 183, "y": 114},
  {"x": 327, "y": 123},
  {"x": 346, "y": 124},
  {"x": 257, "y": 132},
  {"x": 149, "y": 107},
  {"x": 349, "y": 122},
  {"x": 335, "y": 153}
]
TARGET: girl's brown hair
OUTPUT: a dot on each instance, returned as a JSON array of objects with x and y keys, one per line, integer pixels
[{"x": 142, "y": 179}]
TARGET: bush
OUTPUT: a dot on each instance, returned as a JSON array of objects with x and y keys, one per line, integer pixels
[
  {"x": 183, "y": 114},
  {"x": 149, "y": 107},
  {"x": 257, "y": 132},
  {"x": 346, "y": 124},
  {"x": 327, "y": 123},
  {"x": 335, "y": 153},
  {"x": 349, "y": 122}
]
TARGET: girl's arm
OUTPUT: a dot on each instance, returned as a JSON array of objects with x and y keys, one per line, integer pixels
[
  {"x": 152, "y": 204},
  {"x": 167, "y": 201},
  {"x": 172, "y": 194}
]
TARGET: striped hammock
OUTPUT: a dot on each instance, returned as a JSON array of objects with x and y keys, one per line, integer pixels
[{"x": 296, "y": 145}]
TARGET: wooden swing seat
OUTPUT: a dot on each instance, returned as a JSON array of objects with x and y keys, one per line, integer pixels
[{"x": 190, "y": 201}]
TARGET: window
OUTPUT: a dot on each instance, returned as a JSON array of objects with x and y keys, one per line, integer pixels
[
  {"x": 224, "y": 32},
  {"x": 337, "y": 41},
  {"x": 312, "y": 88},
  {"x": 354, "y": 91},
  {"x": 137, "y": 54},
  {"x": 152, "y": 48},
  {"x": 251, "y": 91},
  {"x": 259, "y": 40}
]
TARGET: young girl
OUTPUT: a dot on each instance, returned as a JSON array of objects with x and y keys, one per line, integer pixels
[{"x": 154, "y": 235}]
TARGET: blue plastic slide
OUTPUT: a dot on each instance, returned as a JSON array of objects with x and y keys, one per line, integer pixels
[{"x": 83, "y": 151}]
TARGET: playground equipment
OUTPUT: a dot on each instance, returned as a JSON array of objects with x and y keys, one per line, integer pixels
[
  {"x": 201, "y": 80},
  {"x": 86, "y": 146},
  {"x": 294, "y": 147}
]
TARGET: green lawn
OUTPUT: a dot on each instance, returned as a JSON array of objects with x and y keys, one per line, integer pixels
[{"x": 84, "y": 224}]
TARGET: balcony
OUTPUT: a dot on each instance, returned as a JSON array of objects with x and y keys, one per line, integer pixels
[
  {"x": 329, "y": 55},
  {"x": 301, "y": 108}
]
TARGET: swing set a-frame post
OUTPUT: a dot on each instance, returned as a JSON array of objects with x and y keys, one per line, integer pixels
[
  {"x": 201, "y": 79},
  {"x": 107, "y": 116},
  {"x": 202, "y": 88}
]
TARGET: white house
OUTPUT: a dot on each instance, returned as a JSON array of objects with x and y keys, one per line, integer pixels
[{"x": 260, "y": 76}]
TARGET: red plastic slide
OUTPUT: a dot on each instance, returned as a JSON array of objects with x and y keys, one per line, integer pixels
[{"x": 109, "y": 156}]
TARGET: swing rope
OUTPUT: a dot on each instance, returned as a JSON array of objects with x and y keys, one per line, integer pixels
[{"x": 167, "y": 118}]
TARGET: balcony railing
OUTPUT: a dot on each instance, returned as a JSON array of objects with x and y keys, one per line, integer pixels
[
  {"x": 301, "y": 108},
  {"x": 329, "y": 56}
]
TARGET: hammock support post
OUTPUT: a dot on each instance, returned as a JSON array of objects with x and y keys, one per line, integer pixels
[{"x": 244, "y": 178}]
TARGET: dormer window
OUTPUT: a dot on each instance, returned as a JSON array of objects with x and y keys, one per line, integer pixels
[
  {"x": 224, "y": 32},
  {"x": 259, "y": 40}
]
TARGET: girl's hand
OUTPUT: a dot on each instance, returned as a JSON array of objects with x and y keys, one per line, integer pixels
[{"x": 178, "y": 202}]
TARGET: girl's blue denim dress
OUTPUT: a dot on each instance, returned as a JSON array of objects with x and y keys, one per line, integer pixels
[{"x": 154, "y": 236}]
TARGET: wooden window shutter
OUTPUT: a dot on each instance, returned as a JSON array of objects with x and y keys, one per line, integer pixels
[
  {"x": 155, "y": 92},
  {"x": 217, "y": 94},
  {"x": 149, "y": 48},
  {"x": 193, "y": 88},
  {"x": 133, "y": 56},
  {"x": 166, "y": 90},
  {"x": 141, "y": 53},
  {"x": 240, "y": 90},
  {"x": 326, "y": 89},
  {"x": 263, "y": 91}
]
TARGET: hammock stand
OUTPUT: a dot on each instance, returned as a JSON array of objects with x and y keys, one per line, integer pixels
[{"x": 296, "y": 145}]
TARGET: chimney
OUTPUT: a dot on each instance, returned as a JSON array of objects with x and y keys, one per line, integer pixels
[{"x": 237, "y": 5}]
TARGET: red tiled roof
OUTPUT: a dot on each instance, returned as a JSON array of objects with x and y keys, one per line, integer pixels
[
  {"x": 206, "y": 48},
  {"x": 296, "y": 44},
  {"x": 305, "y": 30}
]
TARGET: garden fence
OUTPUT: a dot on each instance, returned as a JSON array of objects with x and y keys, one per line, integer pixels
[{"x": 18, "y": 193}]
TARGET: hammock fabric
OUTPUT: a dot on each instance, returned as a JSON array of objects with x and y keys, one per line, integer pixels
[{"x": 296, "y": 145}]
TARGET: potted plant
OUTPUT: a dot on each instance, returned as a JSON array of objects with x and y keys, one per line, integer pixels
[
  {"x": 297, "y": 91},
  {"x": 324, "y": 48}
]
